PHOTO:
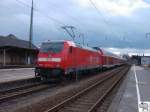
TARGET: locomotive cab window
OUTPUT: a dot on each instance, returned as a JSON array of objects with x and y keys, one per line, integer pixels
[
  {"x": 70, "y": 49},
  {"x": 54, "y": 47}
]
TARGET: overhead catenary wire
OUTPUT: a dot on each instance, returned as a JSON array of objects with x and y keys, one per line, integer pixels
[
  {"x": 106, "y": 21},
  {"x": 124, "y": 32},
  {"x": 98, "y": 11},
  {"x": 27, "y": 5},
  {"x": 58, "y": 21},
  {"x": 74, "y": 19},
  {"x": 101, "y": 15},
  {"x": 49, "y": 17},
  {"x": 37, "y": 10}
]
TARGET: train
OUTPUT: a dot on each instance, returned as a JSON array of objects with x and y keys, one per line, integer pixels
[{"x": 63, "y": 58}]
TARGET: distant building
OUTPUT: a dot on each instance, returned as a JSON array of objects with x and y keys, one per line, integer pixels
[
  {"x": 145, "y": 60},
  {"x": 141, "y": 60},
  {"x": 135, "y": 59},
  {"x": 14, "y": 51}
]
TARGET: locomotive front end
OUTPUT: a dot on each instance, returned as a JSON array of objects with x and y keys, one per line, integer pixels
[{"x": 50, "y": 60}]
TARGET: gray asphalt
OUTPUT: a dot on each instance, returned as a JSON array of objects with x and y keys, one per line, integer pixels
[{"x": 129, "y": 100}]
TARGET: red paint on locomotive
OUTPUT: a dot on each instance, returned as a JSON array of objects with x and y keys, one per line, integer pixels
[{"x": 67, "y": 57}]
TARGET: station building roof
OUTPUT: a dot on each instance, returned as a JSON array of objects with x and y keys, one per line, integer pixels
[{"x": 13, "y": 41}]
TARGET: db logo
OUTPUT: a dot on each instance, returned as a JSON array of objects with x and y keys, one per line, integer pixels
[{"x": 144, "y": 107}]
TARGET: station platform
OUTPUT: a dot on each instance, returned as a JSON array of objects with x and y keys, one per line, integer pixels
[
  {"x": 134, "y": 93},
  {"x": 7, "y": 75}
]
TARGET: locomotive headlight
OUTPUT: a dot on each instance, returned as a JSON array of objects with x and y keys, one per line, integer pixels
[
  {"x": 56, "y": 59},
  {"x": 42, "y": 59}
]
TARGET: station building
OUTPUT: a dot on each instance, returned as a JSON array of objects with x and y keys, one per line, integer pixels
[
  {"x": 141, "y": 60},
  {"x": 16, "y": 52},
  {"x": 145, "y": 60}
]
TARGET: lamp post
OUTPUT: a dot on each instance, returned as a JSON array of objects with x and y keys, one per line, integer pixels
[
  {"x": 31, "y": 27},
  {"x": 4, "y": 57}
]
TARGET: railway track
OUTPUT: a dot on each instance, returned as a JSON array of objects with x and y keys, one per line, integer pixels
[
  {"x": 89, "y": 99},
  {"x": 13, "y": 84},
  {"x": 16, "y": 92}
]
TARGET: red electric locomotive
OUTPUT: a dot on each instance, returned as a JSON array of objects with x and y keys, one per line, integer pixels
[{"x": 64, "y": 58}]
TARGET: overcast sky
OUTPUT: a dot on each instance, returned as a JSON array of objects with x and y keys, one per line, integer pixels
[{"x": 106, "y": 23}]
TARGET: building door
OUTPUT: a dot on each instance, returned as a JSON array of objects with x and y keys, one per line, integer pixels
[{"x": 29, "y": 60}]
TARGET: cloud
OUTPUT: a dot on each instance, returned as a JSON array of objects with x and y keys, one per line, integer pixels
[
  {"x": 129, "y": 51},
  {"x": 115, "y": 7},
  {"x": 119, "y": 31}
]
